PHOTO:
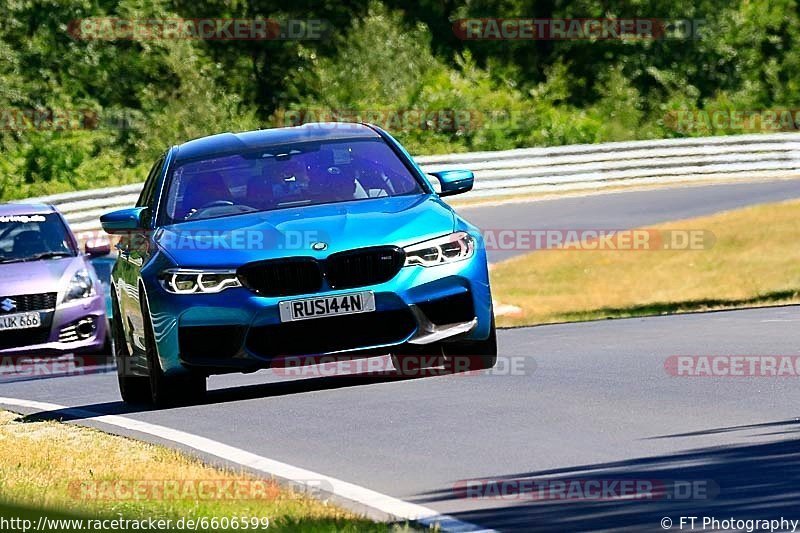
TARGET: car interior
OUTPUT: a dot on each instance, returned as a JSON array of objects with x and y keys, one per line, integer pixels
[{"x": 327, "y": 173}]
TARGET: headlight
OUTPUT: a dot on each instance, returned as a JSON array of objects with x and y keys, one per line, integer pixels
[
  {"x": 448, "y": 249},
  {"x": 80, "y": 286},
  {"x": 187, "y": 281}
]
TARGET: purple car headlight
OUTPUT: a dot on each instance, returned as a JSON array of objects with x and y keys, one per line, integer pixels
[
  {"x": 447, "y": 249},
  {"x": 80, "y": 286},
  {"x": 190, "y": 281}
]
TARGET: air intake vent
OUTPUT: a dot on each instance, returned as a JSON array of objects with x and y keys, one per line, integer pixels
[
  {"x": 325, "y": 335},
  {"x": 282, "y": 277},
  {"x": 365, "y": 266},
  {"x": 27, "y": 302}
]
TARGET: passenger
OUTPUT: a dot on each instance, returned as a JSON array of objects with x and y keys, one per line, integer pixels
[{"x": 291, "y": 181}]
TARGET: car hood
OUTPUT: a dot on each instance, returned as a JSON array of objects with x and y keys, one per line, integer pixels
[
  {"x": 235, "y": 240},
  {"x": 34, "y": 277}
]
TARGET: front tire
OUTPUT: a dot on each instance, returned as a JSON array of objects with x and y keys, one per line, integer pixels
[
  {"x": 467, "y": 356},
  {"x": 460, "y": 356},
  {"x": 132, "y": 389},
  {"x": 167, "y": 391}
]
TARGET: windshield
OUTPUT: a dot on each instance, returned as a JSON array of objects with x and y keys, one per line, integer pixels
[
  {"x": 287, "y": 176},
  {"x": 32, "y": 237}
]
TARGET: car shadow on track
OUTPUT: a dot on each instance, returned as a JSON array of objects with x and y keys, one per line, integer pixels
[
  {"x": 231, "y": 394},
  {"x": 753, "y": 481}
]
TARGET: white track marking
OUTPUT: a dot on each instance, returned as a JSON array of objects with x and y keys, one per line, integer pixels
[{"x": 394, "y": 507}]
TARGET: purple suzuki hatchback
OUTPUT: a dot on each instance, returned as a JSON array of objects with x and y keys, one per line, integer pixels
[{"x": 51, "y": 302}]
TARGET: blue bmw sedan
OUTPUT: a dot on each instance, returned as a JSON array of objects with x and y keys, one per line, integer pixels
[{"x": 245, "y": 250}]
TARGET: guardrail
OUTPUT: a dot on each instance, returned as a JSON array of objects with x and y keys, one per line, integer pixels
[{"x": 561, "y": 168}]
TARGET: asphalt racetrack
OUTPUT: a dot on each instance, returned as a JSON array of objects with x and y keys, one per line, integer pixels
[{"x": 571, "y": 405}]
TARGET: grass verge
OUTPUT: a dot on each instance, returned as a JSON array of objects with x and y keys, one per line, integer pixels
[
  {"x": 754, "y": 261},
  {"x": 64, "y": 471}
]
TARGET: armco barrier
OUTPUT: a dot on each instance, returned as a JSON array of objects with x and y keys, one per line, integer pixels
[{"x": 561, "y": 168}]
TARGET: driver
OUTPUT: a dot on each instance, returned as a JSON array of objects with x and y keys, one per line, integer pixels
[{"x": 203, "y": 190}]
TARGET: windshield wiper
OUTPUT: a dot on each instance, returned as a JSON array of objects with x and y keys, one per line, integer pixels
[{"x": 48, "y": 255}]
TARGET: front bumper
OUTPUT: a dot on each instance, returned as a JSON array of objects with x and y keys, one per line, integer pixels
[
  {"x": 76, "y": 327},
  {"x": 238, "y": 330}
]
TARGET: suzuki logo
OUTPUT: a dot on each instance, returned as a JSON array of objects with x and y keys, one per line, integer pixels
[
  {"x": 319, "y": 246},
  {"x": 8, "y": 305}
]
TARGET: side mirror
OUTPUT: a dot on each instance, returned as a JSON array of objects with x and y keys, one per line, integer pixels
[
  {"x": 97, "y": 247},
  {"x": 454, "y": 181},
  {"x": 124, "y": 220}
]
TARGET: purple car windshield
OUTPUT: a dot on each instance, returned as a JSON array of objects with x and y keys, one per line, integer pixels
[
  {"x": 287, "y": 176},
  {"x": 33, "y": 237}
]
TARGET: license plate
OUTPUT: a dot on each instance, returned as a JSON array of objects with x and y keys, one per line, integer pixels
[
  {"x": 20, "y": 321},
  {"x": 342, "y": 304}
]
